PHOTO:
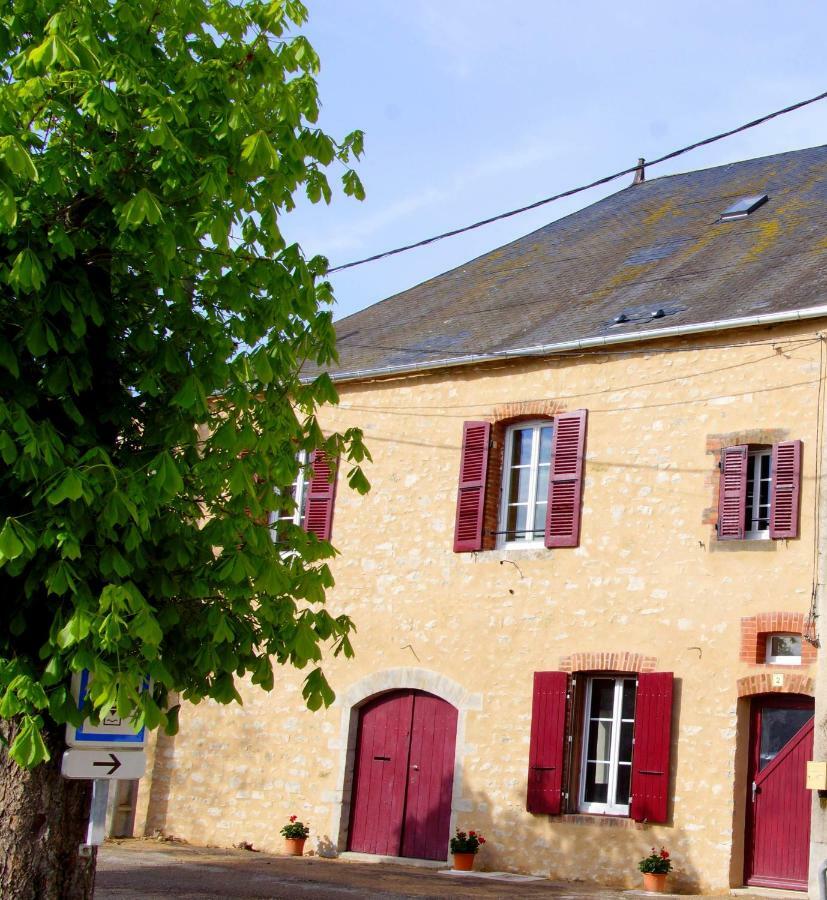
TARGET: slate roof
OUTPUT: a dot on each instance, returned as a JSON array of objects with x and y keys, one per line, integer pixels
[{"x": 655, "y": 245}]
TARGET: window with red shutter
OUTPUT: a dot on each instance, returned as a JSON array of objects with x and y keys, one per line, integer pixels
[
  {"x": 321, "y": 495},
  {"x": 759, "y": 493},
  {"x": 565, "y": 489},
  {"x": 473, "y": 474},
  {"x": 548, "y": 741},
  {"x": 786, "y": 489},
  {"x": 653, "y": 737},
  {"x": 732, "y": 493}
]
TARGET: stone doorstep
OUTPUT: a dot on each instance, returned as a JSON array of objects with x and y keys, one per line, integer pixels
[
  {"x": 492, "y": 876},
  {"x": 768, "y": 892},
  {"x": 352, "y": 856}
]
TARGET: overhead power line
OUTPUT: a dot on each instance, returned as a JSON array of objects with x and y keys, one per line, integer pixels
[{"x": 576, "y": 190}]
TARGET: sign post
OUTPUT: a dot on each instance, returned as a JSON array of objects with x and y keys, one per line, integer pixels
[{"x": 102, "y": 751}]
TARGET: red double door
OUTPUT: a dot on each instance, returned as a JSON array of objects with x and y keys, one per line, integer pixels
[
  {"x": 778, "y": 802},
  {"x": 404, "y": 776}
]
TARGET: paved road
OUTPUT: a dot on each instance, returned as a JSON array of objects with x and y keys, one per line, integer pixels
[{"x": 145, "y": 870}]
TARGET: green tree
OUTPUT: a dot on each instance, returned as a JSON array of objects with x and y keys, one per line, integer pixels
[{"x": 155, "y": 321}]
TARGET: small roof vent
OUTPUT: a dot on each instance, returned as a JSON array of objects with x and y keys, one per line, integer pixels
[
  {"x": 743, "y": 207},
  {"x": 620, "y": 319}
]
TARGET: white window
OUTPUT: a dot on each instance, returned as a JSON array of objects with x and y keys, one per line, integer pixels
[
  {"x": 294, "y": 501},
  {"x": 606, "y": 765},
  {"x": 757, "y": 511},
  {"x": 784, "y": 649},
  {"x": 526, "y": 465}
]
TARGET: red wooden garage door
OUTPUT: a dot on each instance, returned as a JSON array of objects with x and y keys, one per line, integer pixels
[
  {"x": 404, "y": 776},
  {"x": 778, "y": 805}
]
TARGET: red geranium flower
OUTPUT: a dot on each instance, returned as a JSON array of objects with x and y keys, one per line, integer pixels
[
  {"x": 472, "y": 834},
  {"x": 293, "y": 818},
  {"x": 664, "y": 853}
]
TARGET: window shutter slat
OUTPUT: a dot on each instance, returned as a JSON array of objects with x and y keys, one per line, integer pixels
[
  {"x": 473, "y": 472},
  {"x": 732, "y": 493},
  {"x": 548, "y": 741},
  {"x": 565, "y": 484},
  {"x": 321, "y": 495},
  {"x": 786, "y": 489},
  {"x": 651, "y": 756}
]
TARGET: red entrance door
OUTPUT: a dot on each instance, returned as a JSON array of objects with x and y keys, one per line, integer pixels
[
  {"x": 778, "y": 804},
  {"x": 404, "y": 776}
]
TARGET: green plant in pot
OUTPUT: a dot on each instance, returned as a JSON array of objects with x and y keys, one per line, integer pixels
[
  {"x": 655, "y": 867},
  {"x": 294, "y": 834}
]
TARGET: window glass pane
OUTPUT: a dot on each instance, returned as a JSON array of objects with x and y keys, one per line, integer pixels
[
  {"x": 603, "y": 698},
  {"x": 750, "y": 501},
  {"x": 545, "y": 444},
  {"x": 516, "y": 522},
  {"x": 542, "y": 484},
  {"x": 785, "y": 645},
  {"x": 777, "y": 727},
  {"x": 521, "y": 448},
  {"x": 627, "y": 731},
  {"x": 597, "y": 783},
  {"x": 628, "y": 708},
  {"x": 540, "y": 519},
  {"x": 518, "y": 485},
  {"x": 600, "y": 741},
  {"x": 624, "y": 784}
]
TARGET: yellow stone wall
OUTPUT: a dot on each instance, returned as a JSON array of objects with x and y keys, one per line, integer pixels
[{"x": 648, "y": 577}]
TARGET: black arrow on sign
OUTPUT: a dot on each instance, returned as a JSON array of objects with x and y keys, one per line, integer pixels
[{"x": 115, "y": 763}]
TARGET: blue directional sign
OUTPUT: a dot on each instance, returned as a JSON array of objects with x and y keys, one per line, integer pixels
[{"x": 113, "y": 730}]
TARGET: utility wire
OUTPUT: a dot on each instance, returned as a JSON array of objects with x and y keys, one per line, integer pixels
[{"x": 576, "y": 190}]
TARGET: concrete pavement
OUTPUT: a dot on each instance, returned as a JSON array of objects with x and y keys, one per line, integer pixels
[{"x": 145, "y": 870}]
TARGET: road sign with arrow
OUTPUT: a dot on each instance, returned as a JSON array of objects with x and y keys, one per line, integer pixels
[{"x": 103, "y": 764}]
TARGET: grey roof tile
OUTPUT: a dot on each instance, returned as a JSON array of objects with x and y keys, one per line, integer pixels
[{"x": 655, "y": 245}]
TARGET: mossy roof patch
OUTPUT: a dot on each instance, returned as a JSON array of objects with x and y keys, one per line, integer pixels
[{"x": 570, "y": 279}]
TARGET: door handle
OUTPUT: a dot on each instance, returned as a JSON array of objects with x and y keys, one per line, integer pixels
[
  {"x": 755, "y": 791},
  {"x": 415, "y": 768}
]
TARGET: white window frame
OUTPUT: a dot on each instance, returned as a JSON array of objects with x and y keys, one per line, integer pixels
[
  {"x": 754, "y": 464},
  {"x": 609, "y": 809},
  {"x": 534, "y": 466},
  {"x": 300, "y": 488},
  {"x": 776, "y": 660}
]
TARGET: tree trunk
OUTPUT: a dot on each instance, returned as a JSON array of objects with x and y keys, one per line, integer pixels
[{"x": 43, "y": 819}]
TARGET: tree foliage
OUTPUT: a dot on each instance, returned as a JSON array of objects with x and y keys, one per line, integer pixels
[{"x": 154, "y": 322}]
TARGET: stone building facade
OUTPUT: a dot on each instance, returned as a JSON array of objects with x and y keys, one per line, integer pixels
[{"x": 649, "y": 588}]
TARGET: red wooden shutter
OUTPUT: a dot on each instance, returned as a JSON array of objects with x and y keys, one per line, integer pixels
[
  {"x": 565, "y": 484},
  {"x": 471, "y": 494},
  {"x": 321, "y": 494},
  {"x": 548, "y": 742},
  {"x": 785, "y": 473},
  {"x": 650, "y": 760},
  {"x": 732, "y": 493}
]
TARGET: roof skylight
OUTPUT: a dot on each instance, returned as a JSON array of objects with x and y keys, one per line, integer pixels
[{"x": 743, "y": 207}]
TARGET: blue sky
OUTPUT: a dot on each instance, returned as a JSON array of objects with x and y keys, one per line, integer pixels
[{"x": 472, "y": 107}]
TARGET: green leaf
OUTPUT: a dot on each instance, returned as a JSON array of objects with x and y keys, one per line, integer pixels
[
  {"x": 17, "y": 158},
  {"x": 10, "y": 545},
  {"x": 70, "y": 487},
  {"x": 167, "y": 479},
  {"x": 8, "y": 206},
  {"x": 258, "y": 151},
  {"x": 143, "y": 207},
  {"x": 28, "y": 748},
  {"x": 27, "y": 273}
]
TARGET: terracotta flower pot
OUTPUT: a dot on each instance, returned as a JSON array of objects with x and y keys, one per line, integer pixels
[
  {"x": 464, "y": 862},
  {"x": 654, "y": 882},
  {"x": 294, "y": 846}
]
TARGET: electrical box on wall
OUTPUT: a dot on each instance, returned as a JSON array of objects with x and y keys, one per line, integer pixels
[{"x": 817, "y": 776}]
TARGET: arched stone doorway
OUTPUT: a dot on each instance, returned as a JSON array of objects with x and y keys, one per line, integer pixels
[{"x": 379, "y": 684}]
